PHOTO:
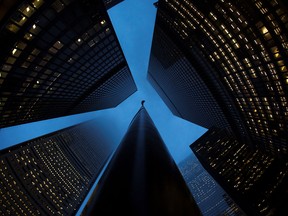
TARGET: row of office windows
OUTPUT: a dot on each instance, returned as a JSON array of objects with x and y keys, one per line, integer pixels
[
  {"x": 97, "y": 61},
  {"x": 56, "y": 65},
  {"x": 15, "y": 201},
  {"x": 115, "y": 85},
  {"x": 176, "y": 68},
  {"x": 39, "y": 180},
  {"x": 48, "y": 173},
  {"x": 70, "y": 146},
  {"x": 206, "y": 190},
  {"x": 238, "y": 165},
  {"x": 228, "y": 30}
]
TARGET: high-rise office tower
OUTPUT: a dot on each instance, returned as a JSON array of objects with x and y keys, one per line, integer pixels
[
  {"x": 172, "y": 75},
  {"x": 224, "y": 62},
  {"x": 52, "y": 174},
  {"x": 62, "y": 54},
  {"x": 142, "y": 178},
  {"x": 257, "y": 182},
  {"x": 209, "y": 196}
]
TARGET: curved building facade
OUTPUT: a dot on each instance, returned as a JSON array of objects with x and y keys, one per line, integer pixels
[{"x": 238, "y": 50}]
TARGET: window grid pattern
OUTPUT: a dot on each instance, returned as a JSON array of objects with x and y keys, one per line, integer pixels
[
  {"x": 15, "y": 200},
  {"x": 51, "y": 175},
  {"x": 251, "y": 57},
  {"x": 208, "y": 74},
  {"x": 241, "y": 169},
  {"x": 178, "y": 78},
  {"x": 210, "y": 197},
  {"x": 57, "y": 64},
  {"x": 116, "y": 86}
]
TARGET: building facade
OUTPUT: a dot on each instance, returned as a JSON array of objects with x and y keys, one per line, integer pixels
[
  {"x": 62, "y": 54},
  {"x": 51, "y": 175},
  {"x": 177, "y": 81},
  {"x": 238, "y": 50},
  {"x": 142, "y": 178},
  {"x": 256, "y": 181},
  {"x": 209, "y": 196}
]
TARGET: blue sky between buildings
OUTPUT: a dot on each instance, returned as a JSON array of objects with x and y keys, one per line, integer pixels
[{"x": 133, "y": 21}]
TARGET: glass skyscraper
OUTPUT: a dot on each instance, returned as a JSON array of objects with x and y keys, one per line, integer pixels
[
  {"x": 256, "y": 181},
  {"x": 62, "y": 54},
  {"x": 208, "y": 194},
  {"x": 52, "y": 174},
  {"x": 224, "y": 63}
]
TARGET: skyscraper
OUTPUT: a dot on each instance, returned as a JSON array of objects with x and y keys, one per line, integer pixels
[
  {"x": 224, "y": 63},
  {"x": 257, "y": 182},
  {"x": 52, "y": 174},
  {"x": 62, "y": 54},
  {"x": 209, "y": 196},
  {"x": 177, "y": 81},
  {"x": 142, "y": 178}
]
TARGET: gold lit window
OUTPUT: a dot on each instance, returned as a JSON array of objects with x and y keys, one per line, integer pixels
[
  {"x": 12, "y": 27},
  {"x": 28, "y": 36},
  {"x": 27, "y": 10}
]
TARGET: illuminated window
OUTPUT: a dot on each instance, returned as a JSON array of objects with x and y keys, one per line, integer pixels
[
  {"x": 28, "y": 36},
  {"x": 19, "y": 19},
  {"x": 16, "y": 52},
  {"x": 79, "y": 41},
  {"x": 275, "y": 51},
  {"x": 12, "y": 27},
  {"x": 27, "y": 10},
  {"x": 103, "y": 22},
  {"x": 58, "y": 45},
  {"x": 37, "y": 3},
  {"x": 35, "y": 29},
  {"x": 3, "y": 74}
]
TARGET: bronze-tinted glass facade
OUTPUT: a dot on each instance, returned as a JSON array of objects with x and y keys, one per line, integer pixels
[
  {"x": 62, "y": 54},
  {"x": 51, "y": 175}
]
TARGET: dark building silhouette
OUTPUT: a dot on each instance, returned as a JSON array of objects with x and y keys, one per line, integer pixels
[
  {"x": 209, "y": 196},
  {"x": 177, "y": 82},
  {"x": 52, "y": 174},
  {"x": 223, "y": 63},
  {"x": 111, "y": 3},
  {"x": 257, "y": 182},
  {"x": 142, "y": 178},
  {"x": 59, "y": 58}
]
